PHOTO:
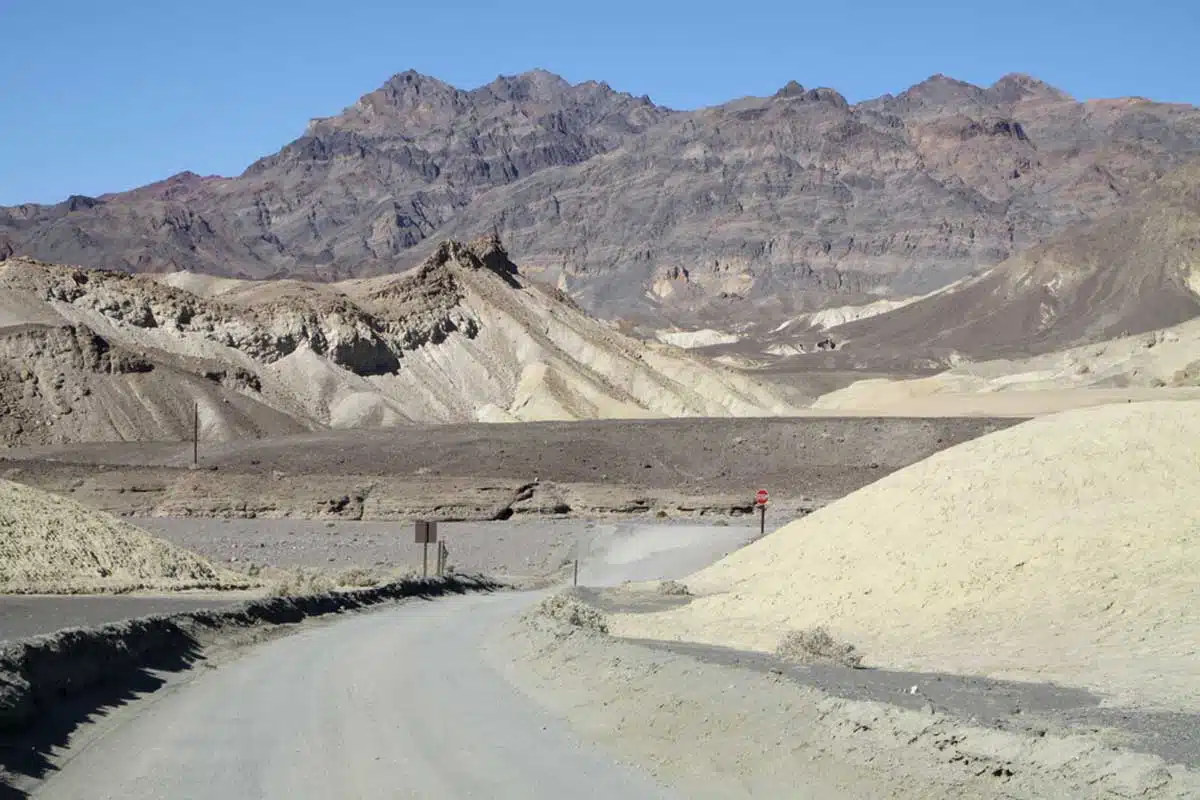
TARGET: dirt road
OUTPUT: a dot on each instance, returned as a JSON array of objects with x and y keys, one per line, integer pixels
[
  {"x": 389, "y": 704},
  {"x": 396, "y": 703}
]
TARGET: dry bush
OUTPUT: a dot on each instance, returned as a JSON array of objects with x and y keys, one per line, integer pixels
[
  {"x": 568, "y": 609},
  {"x": 817, "y": 646},
  {"x": 359, "y": 577},
  {"x": 300, "y": 581},
  {"x": 673, "y": 589},
  {"x": 403, "y": 574}
]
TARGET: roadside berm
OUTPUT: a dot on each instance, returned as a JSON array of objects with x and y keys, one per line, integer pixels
[{"x": 1062, "y": 550}]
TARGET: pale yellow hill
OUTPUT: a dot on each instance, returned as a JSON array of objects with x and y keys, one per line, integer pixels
[
  {"x": 1159, "y": 365},
  {"x": 50, "y": 544},
  {"x": 1066, "y": 548}
]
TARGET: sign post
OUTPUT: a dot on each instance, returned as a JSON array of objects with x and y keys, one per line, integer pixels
[
  {"x": 426, "y": 534},
  {"x": 443, "y": 556},
  {"x": 760, "y": 499}
]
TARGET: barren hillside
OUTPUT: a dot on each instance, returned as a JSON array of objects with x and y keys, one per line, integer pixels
[
  {"x": 100, "y": 356},
  {"x": 1133, "y": 271}
]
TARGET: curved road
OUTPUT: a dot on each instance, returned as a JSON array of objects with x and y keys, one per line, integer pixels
[{"x": 394, "y": 703}]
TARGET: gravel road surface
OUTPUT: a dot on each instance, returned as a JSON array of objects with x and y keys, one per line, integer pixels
[
  {"x": 389, "y": 704},
  {"x": 522, "y": 548},
  {"x": 400, "y": 702}
]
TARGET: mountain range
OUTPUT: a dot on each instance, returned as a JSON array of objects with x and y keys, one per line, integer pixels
[{"x": 760, "y": 206}]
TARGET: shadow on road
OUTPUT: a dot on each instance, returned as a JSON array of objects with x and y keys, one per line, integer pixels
[
  {"x": 51, "y": 685},
  {"x": 27, "y": 756}
]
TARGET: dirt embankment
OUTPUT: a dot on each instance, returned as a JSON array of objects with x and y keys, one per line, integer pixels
[{"x": 52, "y": 544}]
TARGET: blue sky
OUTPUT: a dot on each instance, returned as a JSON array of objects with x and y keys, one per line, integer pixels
[{"x": 103, "y": 96}]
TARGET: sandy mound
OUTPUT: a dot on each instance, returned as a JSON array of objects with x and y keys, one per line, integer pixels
[
  {"x": 1062, "y": 549},
  {"x": 51, "y": 544}
]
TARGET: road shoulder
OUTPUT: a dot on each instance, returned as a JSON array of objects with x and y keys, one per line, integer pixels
[{"x": 724, "y": 729}]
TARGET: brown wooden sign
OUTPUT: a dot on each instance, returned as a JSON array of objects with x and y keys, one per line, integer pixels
[{"x": 426, "y": 532}]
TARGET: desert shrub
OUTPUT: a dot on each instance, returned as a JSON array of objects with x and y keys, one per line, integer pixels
[
  {"x": 358, "y": 577},
  {"x": 817, "y": 646},
  {"x": 403, "y": 574},
  {"x": 300, "y": 581},
  {"x": 570, "y": 610},
  {"x": 673, "y": 589}
]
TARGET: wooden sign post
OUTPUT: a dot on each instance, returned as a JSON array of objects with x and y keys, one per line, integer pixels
[
  {"x": 443, "y": 555},
  {"x": 195, "y": 434}
]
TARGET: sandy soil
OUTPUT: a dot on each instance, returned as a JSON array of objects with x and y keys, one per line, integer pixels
[
  {"x": 1007, "y": 556},
  {"x": 514, "y": 548},
  {"x": 1160, "y": 365},
  {"x": 938, "y": 398},
  {"x": 730, "y": 726}
]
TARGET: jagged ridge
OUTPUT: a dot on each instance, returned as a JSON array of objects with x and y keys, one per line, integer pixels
[
  {"x": 462, "y": 337},
  {"x": 799, "y": 200}
]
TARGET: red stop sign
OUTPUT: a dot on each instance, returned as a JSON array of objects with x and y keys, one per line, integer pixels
[{"x": 761, "y": 497}]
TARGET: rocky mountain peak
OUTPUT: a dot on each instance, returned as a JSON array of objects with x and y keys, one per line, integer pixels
[
  {"x": 81, "y": 202},
  {"x": 486, "y": 252},
  {"x": 537, "y": 84},
  {"x": 406, "y": 90},
  {"x": 795, "y": 91},
  {"x": 1017, "y": 86},
  {"x": 941, "y": 89},
  {"x": 412, "y": 82},
  {"x": 792, "y": 88}
]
